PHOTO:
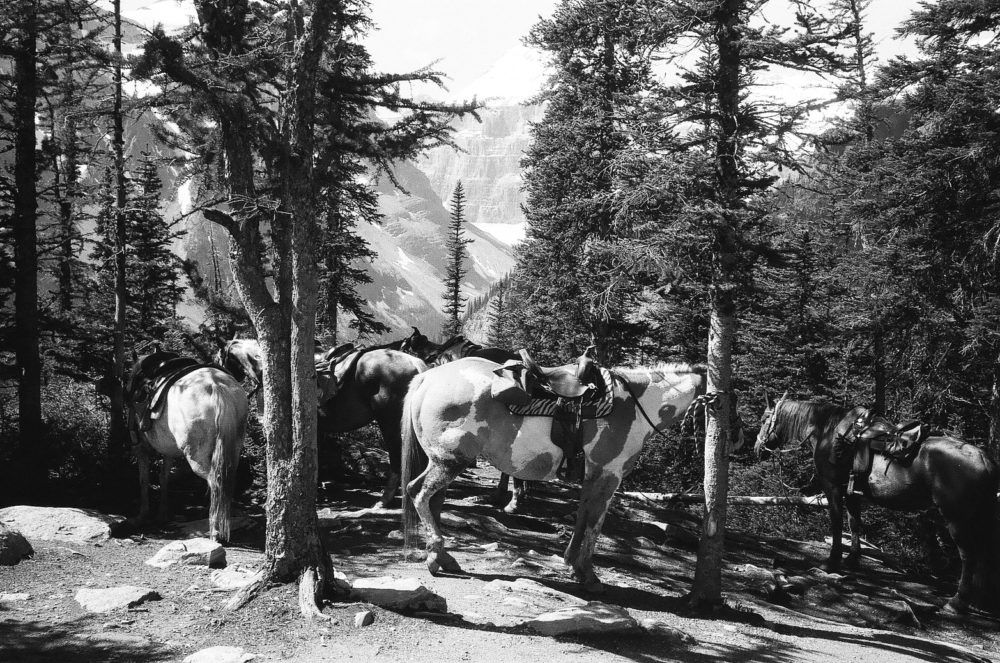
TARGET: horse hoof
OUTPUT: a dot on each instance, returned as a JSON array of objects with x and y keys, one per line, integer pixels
[
  {"x": 448, "y": 563},
  {"x": 954, "y": 608},
  {"x": 512, "y": 508},
  {"x": 594, "y": 586}
]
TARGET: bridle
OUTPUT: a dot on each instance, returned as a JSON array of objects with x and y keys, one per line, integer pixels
[{"x": 772, "y": 421}]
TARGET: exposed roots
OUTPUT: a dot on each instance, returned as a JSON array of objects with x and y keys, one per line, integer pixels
[
  {"x": 312, "y": 588},
  {"x": 249, "y": 592}
]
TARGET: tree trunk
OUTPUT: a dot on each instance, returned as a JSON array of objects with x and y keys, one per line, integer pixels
[
  {"x": 994, "y": 439},
  {"x": 878, "y": 371},
  {"x": 119, "y": 434},
  {"x": 26, "y": 329},
  {"x": 707, "y": 589}
]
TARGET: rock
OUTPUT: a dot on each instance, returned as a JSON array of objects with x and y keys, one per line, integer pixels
[
  {"x": 594, "y": 617},
  {"x": 536, "y": 590},
  {"x": 14, "y": 598},
  {"x": 660, "y": 628},
  {"x": 112, "y": 598},
  {"x": 220, "y": 655},
  {"x": 397, "y": 594},
  {"x": 63, "y": 525},
  {"x": 13, "y": 546},
  {"x": 193, "y": 552},
  {"x": 395, "y": 535},
  {"x": 366, "y": 618},
  {"x": 233, "y": 578},
  {"x": 490, "y": 547},
  {"x": 341, "y": 583}
]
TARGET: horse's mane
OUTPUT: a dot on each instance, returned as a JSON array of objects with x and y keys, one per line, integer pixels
[
  {"x": 664, "y": 367},
  {"x": 799, "y": 420}
]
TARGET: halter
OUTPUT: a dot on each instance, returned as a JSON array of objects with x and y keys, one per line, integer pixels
[
  {"x": 705, "y": 400},
  {"x": 773, "y": 421}
]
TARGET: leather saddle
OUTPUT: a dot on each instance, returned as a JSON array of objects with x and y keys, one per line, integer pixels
[
  {"x": 566, "y": 393},
  {"x": 150, "y": 380},
  {"x": 872, "y": 434}
]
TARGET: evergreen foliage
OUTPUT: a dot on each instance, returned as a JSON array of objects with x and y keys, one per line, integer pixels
[{"x": 455, "y": 269}]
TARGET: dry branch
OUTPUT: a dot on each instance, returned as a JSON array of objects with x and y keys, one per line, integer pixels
[{"x": 698, "y": 498}]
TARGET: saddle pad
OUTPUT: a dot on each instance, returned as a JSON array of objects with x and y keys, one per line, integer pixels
[{"x": 592, "y": 408}]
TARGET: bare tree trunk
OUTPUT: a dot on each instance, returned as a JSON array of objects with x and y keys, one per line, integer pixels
[
  {"x": 26, "y": 328},
  {"x": 878, "y": 371},
  {"x": 707, "y": 588},
  {"x": 994, "y": 439},
  {"x": 119, "y": 434}
]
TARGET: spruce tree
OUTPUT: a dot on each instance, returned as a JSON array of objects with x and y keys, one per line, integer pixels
[{"x": 455, "y": 270}]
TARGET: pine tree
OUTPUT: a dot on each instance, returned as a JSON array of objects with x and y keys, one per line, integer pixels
[{"x": 455, "y": 269}]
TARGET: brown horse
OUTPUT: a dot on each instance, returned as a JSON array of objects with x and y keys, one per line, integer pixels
[
  {"x": 203, "y": 420},
  {"x": 956, "y": 477},
  {"x": 356, "y": 388},
  {"x": 450, "y": 412}
]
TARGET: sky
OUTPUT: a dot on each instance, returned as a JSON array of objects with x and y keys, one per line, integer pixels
[{"x": 468, "y": 37}]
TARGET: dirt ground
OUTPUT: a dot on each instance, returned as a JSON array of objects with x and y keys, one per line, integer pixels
[{"x": 646, "y": 557}]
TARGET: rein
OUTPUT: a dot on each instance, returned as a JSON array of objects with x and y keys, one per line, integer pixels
[{"x": 704, "y": 400}]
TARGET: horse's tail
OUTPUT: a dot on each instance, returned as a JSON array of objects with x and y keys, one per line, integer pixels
[
  {"x": 230, "y": 429},
  {"x": 413, "y": 462}
]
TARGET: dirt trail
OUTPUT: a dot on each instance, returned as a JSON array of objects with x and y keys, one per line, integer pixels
[{"x": 646, "y": 558}]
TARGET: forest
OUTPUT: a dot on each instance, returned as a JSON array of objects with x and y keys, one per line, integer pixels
[{"x": 676, "y": 212}]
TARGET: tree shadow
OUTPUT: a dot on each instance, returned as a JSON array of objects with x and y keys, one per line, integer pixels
[{"x": 41, "y": 642}]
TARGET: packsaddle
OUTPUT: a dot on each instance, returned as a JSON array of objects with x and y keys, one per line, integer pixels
[
  {"x": 567, "y": 393},
  {"x": 150, "y": 379},
  {"x": 872, "y": 434}
]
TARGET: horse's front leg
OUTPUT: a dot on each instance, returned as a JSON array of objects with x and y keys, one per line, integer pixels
[
  {"x": 835, "y": 500},
  {"x": 853, "y": 501},
  {"x": 595, "y": 499},
  {"x": 142, "y": 460},
  {"x": 164, "y": 513}
]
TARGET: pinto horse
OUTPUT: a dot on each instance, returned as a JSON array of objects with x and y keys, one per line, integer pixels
[
  {"x": 204, "y": 421},
  {"x": 357, "y": 387},
  {"x": 956, "y": 477},
  {"x": 459, "y": 347},
  {"x": 449, "y": 412}
]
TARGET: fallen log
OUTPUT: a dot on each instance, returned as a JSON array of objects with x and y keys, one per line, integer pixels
[{"x": 698, "y": 498}]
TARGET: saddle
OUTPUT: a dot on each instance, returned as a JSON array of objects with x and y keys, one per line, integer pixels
[
  {"x": 872, "y": 434},
  {"x": 150, "y": 380},
  {"x": 567, "y": 393}
]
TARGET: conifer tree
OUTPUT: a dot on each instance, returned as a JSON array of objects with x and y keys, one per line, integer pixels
[{"x": 455, "y": 270}]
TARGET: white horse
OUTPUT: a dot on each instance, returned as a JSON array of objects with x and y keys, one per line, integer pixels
[
  {"x": 451, "y": 413},
  {"x": 204, "y": 421}
]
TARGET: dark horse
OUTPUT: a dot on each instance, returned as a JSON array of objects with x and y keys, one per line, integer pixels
[
  {"x": 356, "y": 388},
  {"x": 956, "y": 477},
  {"x": 459, "y": 347}
]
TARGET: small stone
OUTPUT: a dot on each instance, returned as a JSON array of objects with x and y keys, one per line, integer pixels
[
  {"x": 395, "y": 535},
  {"x": 398, "y": 594},
  {"x": 660, "y": 628},
  {"x": 193, "y": 552},
  {"x": 14, "y": 598},
  {"x": 491, "y": 547},
  {"x": 13, "y": 546},
  {"x": 220, "y": 655},
  {"x": 595, "y": 617},
  {"x": 112, "y": 598},
  {"x": 365, "y": 618}
]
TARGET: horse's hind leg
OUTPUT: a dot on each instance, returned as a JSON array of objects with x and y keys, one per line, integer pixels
[
  {"x": 517, "y": 497},
  {"x": 853, "y": 560},
  {"x": 392, "y": 441},
  {"x": 835, "y": 501},
  {"x": 164, "y": 512},
  {"x": 967, "y": 540},
  {"x": 142, "y": 460},
  {"x": 428, "y": 500}
]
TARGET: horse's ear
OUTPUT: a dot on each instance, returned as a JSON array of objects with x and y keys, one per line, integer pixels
[{"x": 416, "y": 332}]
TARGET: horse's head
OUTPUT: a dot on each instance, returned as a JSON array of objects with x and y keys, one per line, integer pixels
[
  {"x": 767, "y": 438},
  {"x": 418, "y": 345},
  {"x": 229, "y": 362}
]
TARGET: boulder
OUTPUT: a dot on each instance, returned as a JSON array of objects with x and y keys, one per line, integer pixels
[
  {"x": 63, "y": 525},
  {"x": 193, "y": 552},
  {"x": 13, "y": 546},
  {"x": 113, "y": 598},
  {"x": 220, "y": 655},
  {"x": 663, "y": 629},
  {"x": 365, "y": 618},
  {"x": 594, "y": 617},
  {"x": 233, "y": 578},
  {"x": 397, "y": 594}
]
